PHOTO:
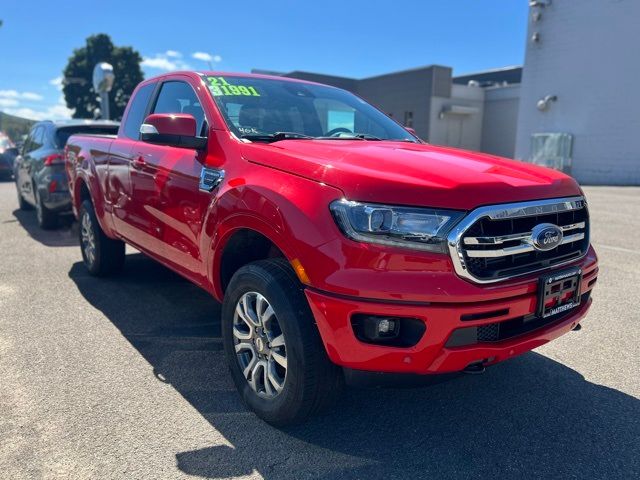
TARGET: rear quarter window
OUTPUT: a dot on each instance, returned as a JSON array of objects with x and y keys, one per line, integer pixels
[{"x": 137, "y": 109}]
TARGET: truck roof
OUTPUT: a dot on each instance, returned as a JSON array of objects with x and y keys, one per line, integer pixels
[
  {"x": 76, "y": 122},
  {"x": 231, "y": 74}
]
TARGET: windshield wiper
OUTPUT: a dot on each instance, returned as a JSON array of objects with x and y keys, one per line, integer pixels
[
  {"x": 366, "y": 136},
  {"x": 352, "y": 136},
  {"x": 276, "y": 137}
]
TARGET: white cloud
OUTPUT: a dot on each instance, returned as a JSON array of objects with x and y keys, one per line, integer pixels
[
  {"x": 205, "y": 57},
  {"x": 168, "y": 61},
  {"x": 8, "y": 102},
  {"x": 161, "y": 63},
  {"x": 11, "y": 99},
  {"x": 172, "y": 60},
  {"x": 49, "y": 112},
  {"x": 32, "y": 96},
  {"x": 56, "y": 82},
  {"x": 9, "y": 94},
  {"x": 20, "y": 95}
]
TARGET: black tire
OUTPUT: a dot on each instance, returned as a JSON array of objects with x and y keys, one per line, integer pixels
[
  {"x": 22, "y": 203},
  {"x": 47, "y": 220},
  {"x": 108, "y": 254},
  {"x": 312, "y": 382}
]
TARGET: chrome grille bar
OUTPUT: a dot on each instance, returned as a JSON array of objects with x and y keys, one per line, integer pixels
[
  {"x": 524, "y": 248},
  {"x": 514, "y": 237}
]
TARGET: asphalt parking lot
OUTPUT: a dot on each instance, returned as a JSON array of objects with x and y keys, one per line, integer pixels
[{"x": 125, "y": 378}]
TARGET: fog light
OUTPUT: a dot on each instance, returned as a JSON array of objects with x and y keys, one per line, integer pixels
[
  {"x": 378, "y": 328},
  {"x": 385, "y": 325},
  {"x": 384, "y": 330}
]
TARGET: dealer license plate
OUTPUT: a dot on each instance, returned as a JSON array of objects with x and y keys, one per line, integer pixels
[{"x": 559, "y": 292}]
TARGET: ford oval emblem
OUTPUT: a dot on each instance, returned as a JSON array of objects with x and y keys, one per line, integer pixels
[{"x": 546, "y": 236}]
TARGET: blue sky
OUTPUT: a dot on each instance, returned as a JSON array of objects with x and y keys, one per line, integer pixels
[{"x": 357, "y": 38}]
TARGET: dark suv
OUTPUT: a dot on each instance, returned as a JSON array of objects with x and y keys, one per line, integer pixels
[
  {"x": 8, "y": 153},
  {"x": 39, "y": 171}
]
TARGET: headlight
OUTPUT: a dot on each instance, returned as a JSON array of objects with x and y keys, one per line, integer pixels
[{"x": 415, "y": 228}]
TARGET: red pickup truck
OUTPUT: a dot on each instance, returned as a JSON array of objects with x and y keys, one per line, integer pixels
[{"x": 335, "y": 239}]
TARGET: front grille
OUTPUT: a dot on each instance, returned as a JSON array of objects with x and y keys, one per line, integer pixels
[
  {"x": 489, "y": 333},
  {"x": 497, "y": 242}
]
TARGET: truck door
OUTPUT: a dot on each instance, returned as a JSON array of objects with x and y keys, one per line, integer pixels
[
  {"x": 126, "y": 215},
  {"x": 166, "y": 183}
]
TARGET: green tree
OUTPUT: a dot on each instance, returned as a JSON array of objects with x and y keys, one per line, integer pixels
[{"x": 78, "y": 74}]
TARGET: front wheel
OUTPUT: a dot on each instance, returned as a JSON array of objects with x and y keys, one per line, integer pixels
[
  {"x": 275, "y": 354},
  {"x": 101, "y": 255},
  {"x": 22, "y": 203}
]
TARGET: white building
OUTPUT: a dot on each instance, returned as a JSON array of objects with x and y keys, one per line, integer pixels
[{"x": 582, "y": 78}]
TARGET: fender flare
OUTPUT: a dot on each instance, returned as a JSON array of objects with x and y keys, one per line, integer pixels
[
  {"x": 95, "y": 194},
  {"x": 225, "y": 231}
]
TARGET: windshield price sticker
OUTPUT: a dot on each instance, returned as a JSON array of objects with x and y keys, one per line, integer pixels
[{"x": 220, "y": 87}]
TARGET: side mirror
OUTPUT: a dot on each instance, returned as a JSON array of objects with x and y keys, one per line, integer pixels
[
  {"x": 172, "y": 129},
  {"x": 12, "y": 152}
]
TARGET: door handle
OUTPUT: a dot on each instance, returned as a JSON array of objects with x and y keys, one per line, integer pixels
[{"x": 138, "y": 162}]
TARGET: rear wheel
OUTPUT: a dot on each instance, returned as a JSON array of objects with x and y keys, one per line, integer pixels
[
  {"x": 101, "y": 255},
  {"x": 22, "y": 203},
  {"x": 275, "y": 354},
  {"x": 47, "y": 219}
]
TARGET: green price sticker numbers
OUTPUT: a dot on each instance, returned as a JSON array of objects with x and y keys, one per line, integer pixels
[{"x": 220, "y": 87}]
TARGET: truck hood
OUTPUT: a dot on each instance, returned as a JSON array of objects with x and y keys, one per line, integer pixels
[{"x": 412, "y": 174}]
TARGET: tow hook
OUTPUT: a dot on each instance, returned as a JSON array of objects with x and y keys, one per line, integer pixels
[
  {"x": 475, "y": 369},
  {"x": 577, "y": 328}
]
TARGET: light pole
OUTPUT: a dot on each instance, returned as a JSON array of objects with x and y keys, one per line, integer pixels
[{"x": 103, "y": 78}]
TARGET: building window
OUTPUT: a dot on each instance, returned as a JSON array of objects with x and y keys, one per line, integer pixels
[{"x": 408, "y": 119}]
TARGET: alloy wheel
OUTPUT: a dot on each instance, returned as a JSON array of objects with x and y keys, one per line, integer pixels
[
  {"x": 88, "y": 239},
  {"x": 260, "y": 345}
]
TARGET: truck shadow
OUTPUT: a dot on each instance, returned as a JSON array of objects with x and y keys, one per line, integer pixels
[
  {"x": 530, "y": 417},
  {"x": 66, "y": 235}
]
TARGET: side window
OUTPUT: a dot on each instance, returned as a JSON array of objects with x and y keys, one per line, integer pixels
[
  {"x": 138, "y": 107},
  {"x": 26, "y": 148},
  {"x": 46, "y": 136},
  {"x": 179, "y": 97},
  {"x": 35, "y": 139}
]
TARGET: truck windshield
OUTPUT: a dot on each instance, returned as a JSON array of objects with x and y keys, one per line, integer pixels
[{"x": 263, "y": 109}]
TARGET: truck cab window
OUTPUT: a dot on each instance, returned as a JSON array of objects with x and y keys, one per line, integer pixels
[
  {"x": 138, "y": 107},
  {"x": 179, "y": 97}
]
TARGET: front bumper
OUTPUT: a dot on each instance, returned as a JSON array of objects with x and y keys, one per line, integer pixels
[{"x": 431, "y": 354}]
